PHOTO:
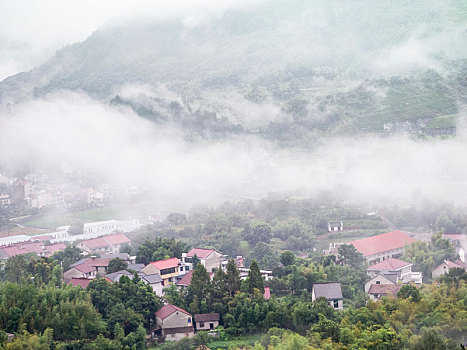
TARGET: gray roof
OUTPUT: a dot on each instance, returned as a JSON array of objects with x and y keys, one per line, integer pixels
[
  {"x": 135, "y": 267},
  {"x": 123, "y": 256},
  {"x": 154, "y": 278},
  {"x": 115, "y": 276},
  {"x": 329, "y": 290}
]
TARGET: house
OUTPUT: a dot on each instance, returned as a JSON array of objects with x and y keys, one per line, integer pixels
[
  {"x": 154, "y": 281},
  {"x": 82, "y": 282},
  {"x": 386, "y": 278},
  {"x": 446, "y": 266},
  {"x": 173, "y": 323},
  {"x": 135, "y": 267},
  {"x": 459, "y": 241},
  {"x": 266, "y": 274},
  {"x": 115, "y": 276},
  {"x": 111, "y": 226},
  {"x": 167, "y": 269},
  {"x": 332, "y": 291},
  {"x": 4, "y": 200},
  {"x": 105, "y": 244},
  {"x": 239, "y": 261},
  {"x": 402, "y": 269},
  {"x": 210, "y": 258},
  {"x": 36, "y": 247},
  {"x": 185, "y": 281},
  {"x": 122, "y": 256},
  {"x": 335, "y": 226},
  {"x": 206, "y": 322},
  {"x": 87, "y": 268},
  {"x": 377, "y": 291},
  {"x": 383, "y": 246}
]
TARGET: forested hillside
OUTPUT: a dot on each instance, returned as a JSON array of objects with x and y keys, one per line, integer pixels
[{"x": 292, "y": 71}]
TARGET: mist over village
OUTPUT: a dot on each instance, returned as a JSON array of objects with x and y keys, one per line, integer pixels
[{"x": 261, "y": 174}]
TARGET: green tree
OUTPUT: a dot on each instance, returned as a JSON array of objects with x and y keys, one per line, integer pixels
[
  {"x": 350, "y": 256},
  {"x": 232, "y": 277},
  {"x": 287, "y": 258},
  {"x": 255, "y": 280},
  {"x": 67, "y": 257},
  {"x": 200, "y": 287},
  {"x": 407, "y": 291},
  {"x": 116, "y": 265}
]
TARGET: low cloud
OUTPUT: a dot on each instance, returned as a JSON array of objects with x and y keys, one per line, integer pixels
[{"x": 126, "y": 149}]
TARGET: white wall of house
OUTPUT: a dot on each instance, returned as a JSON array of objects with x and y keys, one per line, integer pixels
[
  {"x": 206, "y": 326},
  {"x": 379, "y": 279}
]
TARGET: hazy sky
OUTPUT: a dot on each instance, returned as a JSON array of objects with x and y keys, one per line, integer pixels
[{"x": 32, "y": 30}]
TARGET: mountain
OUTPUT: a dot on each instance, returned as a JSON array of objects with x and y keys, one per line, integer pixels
[{"x": 309, "y": 68}]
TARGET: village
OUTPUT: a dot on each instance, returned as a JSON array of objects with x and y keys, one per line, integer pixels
[{"x": 107, "y": 243}]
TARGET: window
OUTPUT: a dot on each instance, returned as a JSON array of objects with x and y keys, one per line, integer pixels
[
  {"x": 378, "y": 282},
  {"x": 211, "y": 326},
  {"x": 201, "y": 324},
  {"x": 336, "y": 304},
  {"x": 167, "y": 271},
  {"x": 189, "y": 319},
  {"x": 187, "y": 268}
]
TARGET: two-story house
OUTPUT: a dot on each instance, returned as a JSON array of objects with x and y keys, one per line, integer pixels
[
  {"x": 402, "y": 269},
  {"x": 167, "y": 269},
  {"x": 104, "y": 245},
  {"x": 173, "y": 323},
  {"x": 380, "y": 247},
  {"x": 210, "y": 258}
]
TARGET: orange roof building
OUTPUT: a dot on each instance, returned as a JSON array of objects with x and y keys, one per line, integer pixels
[
  {"x": 383, "y": 246},
  {"x": 168, "y": 269}
]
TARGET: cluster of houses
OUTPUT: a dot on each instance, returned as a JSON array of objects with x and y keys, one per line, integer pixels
[
  {"x": 94, "y": 243},
  {"x": 158, "y": 274},
  {"x": 386, "y": 271},
  {"x": 60, "y": 190},
  {"x": 173, "y": 323}
]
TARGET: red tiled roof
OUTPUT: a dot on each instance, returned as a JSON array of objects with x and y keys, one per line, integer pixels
[
  {"x": 55, "y": 247},
  {"x": 13, "y": 251},
  {"x": 454, "y": 236},
  {"x": 267, "y": 293},
  {"x": 118, "y": 238},
  {"x": 168, "y": 310},
  {"x": 200, "y": 253},
  {"x": 165, "y": 264},
  {"x": 186, "y": 280},
  {"x": 23, "y": 248},
  {"x": 452, "y": 264},
  {"x": 90, "y": 264},
  {"x": 102, "y": 242},
  {"x": 385, "y": 289},
  {"x": 389, "y": 264},
  {"x": 382, "y": 243},
  {"x": 95, "y": 243},
  {"x": 84, "y": 268},
  {"x": 82, "y": 282},
  {"x": 98, "y": 262}
]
